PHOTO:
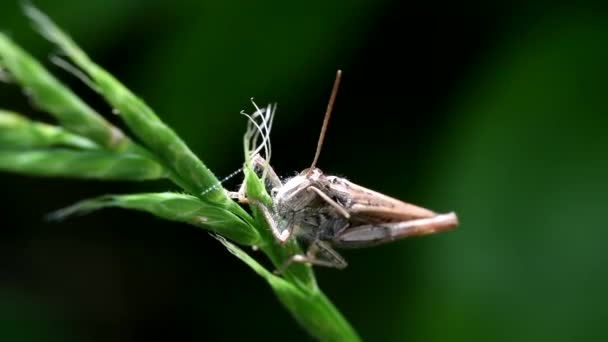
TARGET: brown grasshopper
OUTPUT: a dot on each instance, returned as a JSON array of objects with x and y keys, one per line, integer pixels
[{"x": 327, "y": 211}]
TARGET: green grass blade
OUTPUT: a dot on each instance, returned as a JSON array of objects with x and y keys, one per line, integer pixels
[
  {"x": 51, "y": 95},
  {"x": 17, "y": 131},
  {"x": 93, "y": 164},
  {"x": 297, "y": 273},
  {"x": 297, "y": 288},
  {"x": 142, "y": 121},
  {"x": 315, "y": 313},
  {"x": 30, "y": 148},
  {"x": 255, "y": 189},
  {"x": 174, "y": 207}
]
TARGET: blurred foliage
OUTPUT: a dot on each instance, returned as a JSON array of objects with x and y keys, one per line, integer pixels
[
  {"x": 495, "y": 111},
  {"x": 532, "y": 186}
]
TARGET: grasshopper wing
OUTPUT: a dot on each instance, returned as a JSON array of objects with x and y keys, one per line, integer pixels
[
  {"x": 377, "y": 233},
  {"x": 363, "y": 202}
]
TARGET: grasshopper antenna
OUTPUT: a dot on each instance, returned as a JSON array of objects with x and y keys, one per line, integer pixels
[{"x": 330, "y": 106}]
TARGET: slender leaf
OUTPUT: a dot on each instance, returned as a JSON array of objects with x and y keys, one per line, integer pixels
[
  {"x": 94, "y": 164},
  {"x": 17, "y": 131},
  {"x": 51, "y": 95},
  {"x": 174, "y": 207},
  {"x": 309, "y": 307},
  {"x": 29, "y": 149},
  {"x": 297, "y": 288},
  {"x": 140, "y": 118},
  {"x": 297, "y": 273}
]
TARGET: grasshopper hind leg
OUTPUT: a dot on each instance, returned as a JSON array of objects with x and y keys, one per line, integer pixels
[{"x": 319, "y": 253}]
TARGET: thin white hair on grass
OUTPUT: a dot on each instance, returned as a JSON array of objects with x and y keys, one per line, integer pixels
[
  {"x": 251, "y": 134},
  {"x": 254, "y": 131},
  {"x": 260, "y": 125},
  {"x": 267, "y": 116},
  {"x": 74, "y": 70}
]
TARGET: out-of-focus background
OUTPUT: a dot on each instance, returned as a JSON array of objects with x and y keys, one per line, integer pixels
[{"x": 497, "y": 111}]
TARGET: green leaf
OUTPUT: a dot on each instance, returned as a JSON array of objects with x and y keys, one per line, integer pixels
[
  {"x": 140, "y": 118},
  {"x": 51, "y": 95},
  {"x": 17, "y": 131},
  {"x": 309, "y": 307},
  {"x": 174, "y": 207},
  {"x": 94, "y": 164},
  {"x": 297, "y": 273},
  {"x": 168, "y": 157},
  {"x": 255, "y": 191}
]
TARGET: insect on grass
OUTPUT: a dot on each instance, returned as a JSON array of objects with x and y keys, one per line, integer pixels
[{"x": 325, "y": 212}]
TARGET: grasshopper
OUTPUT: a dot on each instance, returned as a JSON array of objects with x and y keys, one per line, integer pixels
[{"x": 326, "y": 212}]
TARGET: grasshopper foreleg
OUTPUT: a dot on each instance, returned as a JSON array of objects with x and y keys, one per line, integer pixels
[
  {"x": 275, "y": 182},
  {"x": 257, "y": 163}
]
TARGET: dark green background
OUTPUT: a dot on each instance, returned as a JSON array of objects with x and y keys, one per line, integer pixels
[{"x": 499, "y": 112}]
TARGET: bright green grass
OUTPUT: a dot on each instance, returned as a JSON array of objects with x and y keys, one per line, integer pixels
[{"x": 84, "y": 145}]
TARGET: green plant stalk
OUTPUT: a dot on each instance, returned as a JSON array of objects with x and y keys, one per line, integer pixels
[
  {"x": 175, "y": 207},
  {"x": 309, "y": 307},
  {"x": 140, "y": 118},
  {"x": 72, "y": 113},
  {"x": 17, "y": 132},
  {"x": 297, "y": 290},
  {"x": 91, "y": 164},
  {"x": 51, "y": 95},
  {"x": 297, "y": 273},
  {"x": 171, "y": 151},
  {"x": 167, "y": 156}
]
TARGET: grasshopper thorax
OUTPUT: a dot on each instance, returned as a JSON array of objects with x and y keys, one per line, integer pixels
[
  {"x": 312, "y": 173},
  {"x": 295, "y": 193}
]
